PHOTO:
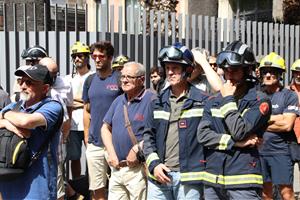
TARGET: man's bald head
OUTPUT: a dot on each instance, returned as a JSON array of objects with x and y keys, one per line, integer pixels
[{"x": 51, "y": 65}]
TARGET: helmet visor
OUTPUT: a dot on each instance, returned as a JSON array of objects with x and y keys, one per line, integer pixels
[
  {"x": 171, "y": 52},
  {"x": 232, "y": 58}
]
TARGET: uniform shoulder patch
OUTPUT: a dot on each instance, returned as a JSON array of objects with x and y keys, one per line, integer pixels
[{"x": 264, "y": 108}]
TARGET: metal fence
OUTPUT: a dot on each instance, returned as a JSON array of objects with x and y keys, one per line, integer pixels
[{"x": 137, "y": 34}]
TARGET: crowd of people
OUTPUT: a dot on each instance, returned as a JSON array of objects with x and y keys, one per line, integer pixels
[{"x": 210, "y": 127}]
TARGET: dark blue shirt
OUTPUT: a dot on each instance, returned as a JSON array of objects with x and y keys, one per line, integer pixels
[
  {"x": 137, "y": 111},
  {"x": 100, "y": 95},
  {"x": 283, "y": 101},
  {"x": 39, "y": 181}
]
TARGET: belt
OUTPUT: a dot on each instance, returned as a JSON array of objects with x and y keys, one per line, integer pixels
[{"x": 123, "y": 163}]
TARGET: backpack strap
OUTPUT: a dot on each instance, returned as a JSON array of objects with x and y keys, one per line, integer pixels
[{"x": 89, "y": 80}]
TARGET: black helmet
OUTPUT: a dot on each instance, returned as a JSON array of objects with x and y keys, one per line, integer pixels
[
  {"x": 34, "y": 53},
  {"x": 177, "y": 53},
  {"x": 236, "y": 54}
]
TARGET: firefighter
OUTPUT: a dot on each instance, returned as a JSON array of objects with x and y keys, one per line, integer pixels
[
  {"x": 230, "y": 128},
  {"x": 172, "y": 153},
  {"x": 276, "y": 160}
]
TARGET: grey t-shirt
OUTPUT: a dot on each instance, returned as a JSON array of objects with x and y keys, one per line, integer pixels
[{"x": 172, "y": 141}]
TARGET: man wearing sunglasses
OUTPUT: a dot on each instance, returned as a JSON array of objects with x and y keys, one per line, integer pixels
[
  {"x": 31, "y": 56},
  {"x": 39, "y": 180},
  {"x": 276, "y": 160},
  {"x": 80, "y": 54},
  {"x": 99, "y": 91},
  {"x": 230, "y": 128},
  {"x": 174, "y": 157}
]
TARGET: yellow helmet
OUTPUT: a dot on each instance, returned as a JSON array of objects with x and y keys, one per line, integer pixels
[
  {"x": 272, "y": 60},
  {"x": 296, "y": 66},
  {"x": 79, "y": 47},
  {"x": 120, "y": 61}
]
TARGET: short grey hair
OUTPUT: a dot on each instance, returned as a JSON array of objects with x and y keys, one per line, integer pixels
[{"x": 141, "y": 70}]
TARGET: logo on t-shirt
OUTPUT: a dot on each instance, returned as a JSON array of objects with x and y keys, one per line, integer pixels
[
  {"x": 113, "y": 87},
  {"x": 139, "y": 117}
]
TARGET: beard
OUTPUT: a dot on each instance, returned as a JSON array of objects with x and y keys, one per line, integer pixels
[
  {"x": 297, "y": 80},
  {"x": 24, "y": 96}
]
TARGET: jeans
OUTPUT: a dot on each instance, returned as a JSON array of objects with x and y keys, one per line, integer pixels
[{"x": 174, "y": 190}]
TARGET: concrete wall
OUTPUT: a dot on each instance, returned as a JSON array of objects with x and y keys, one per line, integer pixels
[{"x": 203, "y": 7}]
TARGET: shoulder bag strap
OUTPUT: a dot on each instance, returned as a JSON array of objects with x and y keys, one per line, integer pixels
[{"x": 128, "y": 126}]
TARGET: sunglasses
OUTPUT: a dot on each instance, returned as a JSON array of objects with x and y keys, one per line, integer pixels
[
  {"x": 265, "y": 71},
  {"x": 80, "y": 56},
  {"x": 28, "y": 82},
  {"x": 99, "y": 56}
]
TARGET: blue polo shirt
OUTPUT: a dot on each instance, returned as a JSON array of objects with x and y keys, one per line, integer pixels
[
  {"x": 39, "y": 181},
  {"x": 274, "y": 143},
  {"x": 137, "y": 111},
  {"x": 100, "y": 95}
]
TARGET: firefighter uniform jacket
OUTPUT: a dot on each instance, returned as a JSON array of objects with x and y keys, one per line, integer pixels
[
  {"x": 226, "y": 120},
  {"x": 155, "y": 134}
]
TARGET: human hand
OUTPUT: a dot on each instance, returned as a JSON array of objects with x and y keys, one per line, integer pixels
[
  {"x": 251, "y": 141},
  {"x": 113, "y": 161},
  {"x": 21, "y": 132},
  {"x": 200, "y": 56},
  {"x": 228, "y": 89},
  {"x": 159, "y": 173},
  {"x": 132, "y": 160}
]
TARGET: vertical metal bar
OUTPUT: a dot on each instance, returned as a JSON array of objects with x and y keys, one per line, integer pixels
[
  {"x": 151, "y": 37},
  {"x": 206, "y": 29},
  {"x": 166, "y": 28},
  {"x": 281, "y": 32},
  {"x": 68, "y": 71},
  {"x": 219, "y": 32},
  {"x": 265, "y": 38},
  {"x": 270, "y": 37},
  {"x": 225, "y": 33},
  {"x": 231, "y": 29},
  {"x": 200, "y": 25},
  {"x": 259, "y": 25},
  {"x": 254, "y": 35},
  {"x": 86, "y": 21},
  {"x": 243, "y": 31},
  {"x": 158, "y": 31},
  {"x": 35, "y": 24},
  {"x": 76, "y": 22},
  {"x": 57, "y": 37},
  {"x": 297, "y": 35},
  {"x": 46, "y": 27},
  {"x": 292, "y": 49},
  {"x": 16, "y": 35},
  {"x": 248, "y": 42},
  {"x": 193, "y": 31},
  {"x": 136, "y": 34},
  {"x": 120, "y": 29},
  {"x": 97, "y": 18},
  {"x": 187, "y": 31},
  {"x": 276, "y": 38},
  {"x": 112, "y": 22},
  {"x": 213, "y": 35},
  {"x": 287, "y": 52},
  {"x": 173, "y": 25},
  {"x": 145, "y": 42},
  {"x": 7, "y": 55},
  {"x": 180, "y": 28},
  {"x": 237, "y": 29},
  {"x": 128, "y": 32}
]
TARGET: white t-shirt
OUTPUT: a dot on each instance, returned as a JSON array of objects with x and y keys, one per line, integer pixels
[{"x": 77, "y": 85}]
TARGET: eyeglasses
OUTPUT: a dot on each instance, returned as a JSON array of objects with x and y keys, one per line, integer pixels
[
  {"x": 99, "y": 56},
  {"x": 80, "y": 56},
  {"x": 231, "y": 57},
  {"x": 28, "y": 82},
  {"x": 128, "y": 77}
]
